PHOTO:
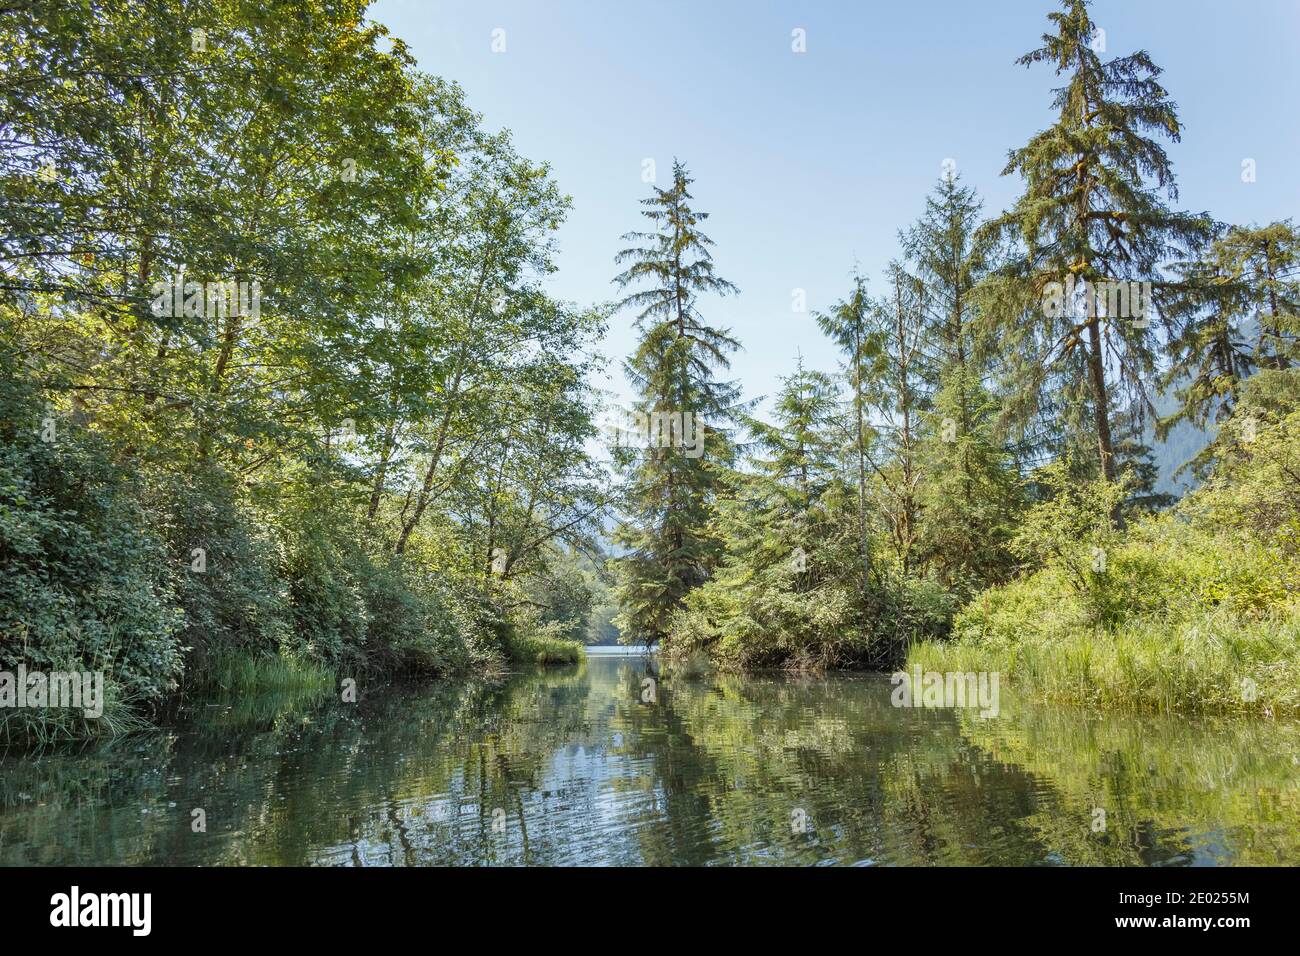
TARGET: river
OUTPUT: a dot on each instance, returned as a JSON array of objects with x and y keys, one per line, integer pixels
[{"x": 610, "y": 762}]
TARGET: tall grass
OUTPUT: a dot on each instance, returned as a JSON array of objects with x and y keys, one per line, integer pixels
[
  {"x": 1214, "y": 662},
  {"x": 243, "y": 673},
  {"x": 25, "y": 728},
  {"x": 543, "y": 649},
  {"x": 1195, "y": 609}
]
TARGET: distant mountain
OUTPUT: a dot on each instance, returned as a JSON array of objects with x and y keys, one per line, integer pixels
[
  {"x": 1185, "y": 441},
  {"x": 1182, "y": 444}
]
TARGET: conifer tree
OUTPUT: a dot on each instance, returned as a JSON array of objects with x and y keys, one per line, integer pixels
[
  {"x": 1210, "y": 349},
  {"x": 898, "y": 395},
  {"x": 950, "y": 256},
  {"x": 785, "y": 591},
  {"x": 970, "y": 491},
  {"x": 971, "y": 494},
  {"x": 673, "y": 480},
  {"x": 1267, "y": 261},
  {"x": 846, "y": 324},
  {"x": 800, "y": 456},
  {"x": 1093, "y": 212}
]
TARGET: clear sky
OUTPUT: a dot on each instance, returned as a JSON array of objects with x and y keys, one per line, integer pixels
[{"x": 810, "y": 162}]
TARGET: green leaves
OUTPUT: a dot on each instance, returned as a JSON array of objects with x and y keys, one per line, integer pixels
[{"x": 402, "y": 395}]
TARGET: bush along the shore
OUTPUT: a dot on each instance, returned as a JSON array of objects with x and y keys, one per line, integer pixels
[
  {"x": 100, "y": 576},
  {"x": 90, "y": 584},
  {"x": 84, "y": 585},
  {"x": 1197, "y": 608}
]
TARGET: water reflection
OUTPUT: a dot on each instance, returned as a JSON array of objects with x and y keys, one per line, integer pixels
[{"x": 571, "y": 766}]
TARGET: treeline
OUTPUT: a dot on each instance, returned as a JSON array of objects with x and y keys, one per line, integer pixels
[
  {"x": 277, "y": 372},
  {"x": 979, "y": 468}
]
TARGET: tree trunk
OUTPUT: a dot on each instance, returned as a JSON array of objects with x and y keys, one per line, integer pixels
[
  {"x": 386, "y": 451},
  {"x": 864, "y": 547},
  {"x": 1100, "y": 399}
]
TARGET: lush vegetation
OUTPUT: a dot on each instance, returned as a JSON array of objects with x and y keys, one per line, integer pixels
[
  {"x": 285, "y": 401},
  {"x": 975, "y": 489},
  {"x": 278, "y": 378},
  {"x": 1193, "y": 608}
]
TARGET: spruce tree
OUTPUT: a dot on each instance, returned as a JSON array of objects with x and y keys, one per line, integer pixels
[
  {"x": 1264, "y": 263},
  {"x": 785, "y": 592},
  {"x": 846, "y": 324},
  {"x": 950, "y": 256},
  {"x": 799, "y": 457},
  {"x": 898, "y": 395},
  {"x": 970, "y": 496},
  {"x": 1209, "y": 349},
  {"x": 672, "y": 484},
  {"x": 970, "y": 491},
  {"x": 1093, "y": 212}
]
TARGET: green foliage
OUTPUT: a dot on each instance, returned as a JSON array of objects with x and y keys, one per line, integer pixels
[
  {"x": 233, "y": 674},
  {"x": 962, "y": 378},
  {"x": 379, "y": 465},
  {"x": 1093, "y": 211},
  {"x": 972, "y": 497},
  {"x": 323, "y": 470},
  {"x": 410, "y": 624},
  {"x": 1193, "y": 609},
  {"x": 83, "y": 584},
  {"x": 325, "y": 600},
  {"x": 563, "y": 595},
  {"x": 227, "y": 582},
  {"x": 1072, "y": 529},
  {"x": 846, "y": 326},
  {"x": 546, "y": 646},
  {"x": 787, "y": 592},
  {"x": 670, "y": 487}
]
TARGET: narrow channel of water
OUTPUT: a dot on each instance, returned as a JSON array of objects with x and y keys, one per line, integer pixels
[{"x": 584, "y": 765}]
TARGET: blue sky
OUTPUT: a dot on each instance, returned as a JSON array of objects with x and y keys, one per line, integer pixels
[{"x": 810, "y": 162}]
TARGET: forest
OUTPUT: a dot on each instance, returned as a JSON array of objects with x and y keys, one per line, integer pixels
[{"x": 286, "y": 401}]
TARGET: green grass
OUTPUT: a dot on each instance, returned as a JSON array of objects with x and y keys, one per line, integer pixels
[
  {"x": 253, "y": 681},
  {"x": 244, "y": 688},
  {"x": 236, "y": 672},
  {"x": 1213, "y": 663},
  {"x": 541, "y": 649},
  {"x": 1187, "y": 615},
  {"x": 25, "y": 728}
]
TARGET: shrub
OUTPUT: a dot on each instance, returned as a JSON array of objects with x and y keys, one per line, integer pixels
[
  {"x": 238, "y": 601},
  {"x": 1195, "y": 609},
  {"x": 546, "y": 646},
  {"x": 83, "y": 581},
  {"x": 410, "y": 627}
]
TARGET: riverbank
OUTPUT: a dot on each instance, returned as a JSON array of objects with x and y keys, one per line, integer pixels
[
  {"x": 1215, "y": 667},
  {"x": 240, "y": 676},
  {"x": 1195, "y": 608}
]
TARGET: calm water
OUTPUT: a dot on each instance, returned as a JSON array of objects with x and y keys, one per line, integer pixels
[{"x": 571, "y": 766}]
